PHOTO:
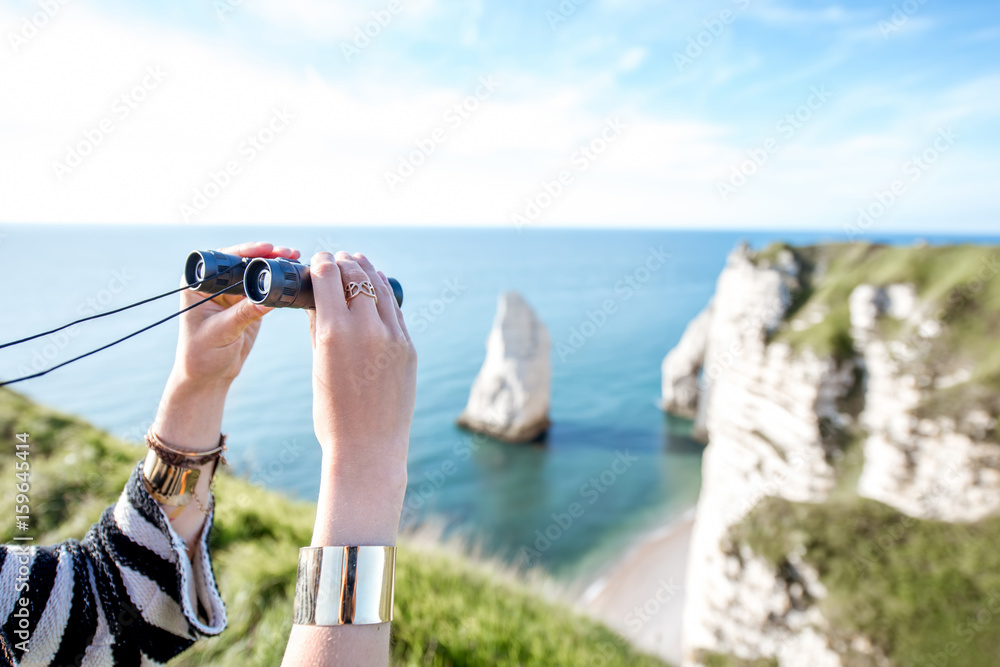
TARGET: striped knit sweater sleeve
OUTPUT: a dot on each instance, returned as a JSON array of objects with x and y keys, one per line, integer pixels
[{"x": 127, "y": 595}]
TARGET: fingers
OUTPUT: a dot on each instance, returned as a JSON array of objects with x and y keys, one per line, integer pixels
[
  {"x": 351, "y": 272},
  {"x": 230, "y": 324},
  {"x": 328, "y": 289},
  {"x": 386, "y": 301},
  {"x": 261, "y": 249},
  {"x": 395, "y": 307}
]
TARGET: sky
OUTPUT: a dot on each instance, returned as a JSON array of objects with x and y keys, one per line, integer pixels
[{"x": 776, "y": 114}]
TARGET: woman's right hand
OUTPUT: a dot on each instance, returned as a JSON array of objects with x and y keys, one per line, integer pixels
[{"x": 364, "y": 388}]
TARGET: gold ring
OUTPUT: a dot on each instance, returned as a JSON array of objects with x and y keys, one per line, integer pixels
[{"x": 353, "y": 289}]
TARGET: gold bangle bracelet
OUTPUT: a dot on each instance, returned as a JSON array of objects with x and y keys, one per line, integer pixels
[
  {"x": 344, "y": 585},
  {"x": 170, "y": 475},
  {"x": 169, "y": 485}
]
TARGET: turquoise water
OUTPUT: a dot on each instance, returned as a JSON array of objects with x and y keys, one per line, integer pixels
[{"x": 613, "y": 464}]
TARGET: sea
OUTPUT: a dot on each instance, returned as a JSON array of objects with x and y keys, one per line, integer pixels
[{"x": 615, "y": 301}]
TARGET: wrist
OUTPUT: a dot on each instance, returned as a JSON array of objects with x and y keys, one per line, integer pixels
[
  {"x": 359, "y": 511},
  {"x": 190, "y": 412},
  {"x": 180, "y": 380}
]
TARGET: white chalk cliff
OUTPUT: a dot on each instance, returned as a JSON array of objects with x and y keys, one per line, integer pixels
[
  {"x": 771, "y": 414},
  {"x": 511, "y": 395}
]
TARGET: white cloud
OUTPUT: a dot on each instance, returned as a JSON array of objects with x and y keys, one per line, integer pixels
[
  {"x": 323, "y": 19},
  {"x": 632, "y": 59},
  {"x": 777, "y": 13},
  {"x": 328, "y": 165}
]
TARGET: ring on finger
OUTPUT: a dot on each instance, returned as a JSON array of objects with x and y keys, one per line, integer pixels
[{"x": 353, "y": 289}]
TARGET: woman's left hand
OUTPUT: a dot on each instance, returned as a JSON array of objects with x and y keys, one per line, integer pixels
[{"x": 216, "y": 337}]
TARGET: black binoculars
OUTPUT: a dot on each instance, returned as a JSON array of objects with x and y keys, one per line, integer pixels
[{"x": 278, "y": 283}]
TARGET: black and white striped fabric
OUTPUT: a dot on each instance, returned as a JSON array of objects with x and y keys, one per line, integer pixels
[{"x": 127, "y": 595}]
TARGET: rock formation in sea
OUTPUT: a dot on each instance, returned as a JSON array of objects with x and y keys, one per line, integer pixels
[
  {"x": 809, "y": 382},
  {"x": 511, "y": 395}
]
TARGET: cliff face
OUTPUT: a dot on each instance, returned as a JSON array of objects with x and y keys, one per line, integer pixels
[{"x": 810, "y": 384}]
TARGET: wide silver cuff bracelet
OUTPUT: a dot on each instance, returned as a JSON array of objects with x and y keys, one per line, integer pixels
[{"x": 344, "y": 585}]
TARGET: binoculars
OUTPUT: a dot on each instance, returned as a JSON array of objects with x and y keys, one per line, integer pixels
[{"x": 278, "y": 283}]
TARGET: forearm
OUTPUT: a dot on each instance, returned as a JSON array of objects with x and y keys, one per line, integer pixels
[
  {"x": 349, "y": 515},
  {"x": 190, "y": 417}
]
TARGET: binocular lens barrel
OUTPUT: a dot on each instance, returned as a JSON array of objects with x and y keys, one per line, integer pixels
[
  {"x": 221, "y": 269},
  {"x": 278, "y": 283}
]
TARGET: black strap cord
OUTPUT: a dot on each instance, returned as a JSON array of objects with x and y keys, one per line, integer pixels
[
  {"x": 124, "y": 338},
  {"x": 117, "y": 310}
]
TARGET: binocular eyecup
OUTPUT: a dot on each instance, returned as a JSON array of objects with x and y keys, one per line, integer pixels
[{"x": 278, "y": 283}]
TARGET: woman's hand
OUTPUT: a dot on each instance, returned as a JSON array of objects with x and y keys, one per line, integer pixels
[
  {"x": 364, "y": 388},
  {"x": 216, "y": 337}
]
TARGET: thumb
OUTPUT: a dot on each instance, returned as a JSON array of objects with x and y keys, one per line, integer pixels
[{"x": 230, "y": 324}]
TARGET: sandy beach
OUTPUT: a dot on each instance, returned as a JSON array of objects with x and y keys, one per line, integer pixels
[{"x": 641, "y": 595}]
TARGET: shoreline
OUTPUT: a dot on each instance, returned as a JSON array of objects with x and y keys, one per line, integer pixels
[{"x": 640, "y": 593}]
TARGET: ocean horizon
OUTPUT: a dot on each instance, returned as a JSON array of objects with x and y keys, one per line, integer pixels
[{"x": 614, "y": 301}]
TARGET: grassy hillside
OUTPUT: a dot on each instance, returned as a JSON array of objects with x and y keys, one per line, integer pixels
[
  {"x": 448, "y": 611},
  {"x": 915, "y": 588}
]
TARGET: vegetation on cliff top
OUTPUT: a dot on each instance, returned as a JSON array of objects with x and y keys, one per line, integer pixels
[
  {"x": 919, "y": 590},
  {"x": 958, "y": 287},
  {"x": 448, "y": 611}
]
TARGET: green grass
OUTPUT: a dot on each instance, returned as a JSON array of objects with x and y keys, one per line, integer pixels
[
  {"x": 913, "y": 587},
  {"x": 712, "y": 659},
  {"x": 448, "y": 610}
]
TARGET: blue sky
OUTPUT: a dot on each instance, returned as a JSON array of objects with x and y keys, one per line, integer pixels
[{"x": 738, "y": 113}]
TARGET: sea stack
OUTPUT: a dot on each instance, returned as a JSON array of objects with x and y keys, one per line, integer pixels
[{"x": 510, "y": 397}]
